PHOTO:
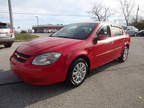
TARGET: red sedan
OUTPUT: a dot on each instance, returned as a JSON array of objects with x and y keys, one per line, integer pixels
[{"x": 69, "y": 54}]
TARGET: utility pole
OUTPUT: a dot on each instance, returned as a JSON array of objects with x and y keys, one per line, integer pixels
[
  {"x": 10, "y": 14},
  {"x": 37, "y": 20}
]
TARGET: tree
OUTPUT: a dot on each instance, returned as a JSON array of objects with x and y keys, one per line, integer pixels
[
  {"x": 100, "y": 12},
  {"x": 137, "y": 14},
  {"x": 127, "y": 8},
  {"x": 138, "y": 24}
]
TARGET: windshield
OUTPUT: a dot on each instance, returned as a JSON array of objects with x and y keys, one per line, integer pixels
[{"x": 76, "y": 31}]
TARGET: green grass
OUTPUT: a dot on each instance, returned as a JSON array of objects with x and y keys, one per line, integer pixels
[{"x": 24, "y": 37}]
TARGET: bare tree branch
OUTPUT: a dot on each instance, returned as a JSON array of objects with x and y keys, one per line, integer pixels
[
  {"x": 127, "y": 8},
  {"x": 100, "y": 12}
]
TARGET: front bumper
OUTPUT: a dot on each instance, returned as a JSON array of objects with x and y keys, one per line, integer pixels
[{"x": 39, "y": 75}]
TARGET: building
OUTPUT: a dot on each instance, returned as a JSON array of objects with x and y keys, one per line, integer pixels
[{"x": 47, "y": 28}]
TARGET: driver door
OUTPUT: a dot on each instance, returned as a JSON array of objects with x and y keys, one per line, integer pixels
[{"x": 102, "y": 49}]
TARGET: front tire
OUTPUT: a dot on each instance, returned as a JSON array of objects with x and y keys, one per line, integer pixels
[
  {"x": 124, "y": 55},
  {"x": 77, "y": 73}
]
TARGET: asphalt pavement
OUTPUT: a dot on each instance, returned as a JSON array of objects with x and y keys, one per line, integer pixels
[{"x": 114, "y": 85}]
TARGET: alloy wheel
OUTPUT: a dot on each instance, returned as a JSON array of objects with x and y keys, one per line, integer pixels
[{"x": 79, "y": 73}]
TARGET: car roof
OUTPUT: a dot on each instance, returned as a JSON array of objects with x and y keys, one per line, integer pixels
[{"x": 99, "y": 22}]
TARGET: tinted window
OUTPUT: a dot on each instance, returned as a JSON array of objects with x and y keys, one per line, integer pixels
[
  {"x": 105, "y": 30},
  {"x": 3, "y": 25},
  {"x": 76, "y": 31},
  {"x": 117, "y": 31}
]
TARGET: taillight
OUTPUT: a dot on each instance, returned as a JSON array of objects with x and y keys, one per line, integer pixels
[{"x": 11, "y": 31}]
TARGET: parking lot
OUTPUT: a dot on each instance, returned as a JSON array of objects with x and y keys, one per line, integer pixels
[{"x": 114, "y": 85}]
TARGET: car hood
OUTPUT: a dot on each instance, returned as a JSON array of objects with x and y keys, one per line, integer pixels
[{"x": 47, "y": 45}]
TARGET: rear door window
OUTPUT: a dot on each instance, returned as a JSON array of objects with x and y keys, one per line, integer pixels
[
  {"x": 117, "y": 31},
  {"x": 3, "y": 25}
]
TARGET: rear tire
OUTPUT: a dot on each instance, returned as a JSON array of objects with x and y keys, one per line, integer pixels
[
  {"x": 77, "y": 73},
  {"x": 8, "y": 45},
  {"x": 124, "y": 55}
]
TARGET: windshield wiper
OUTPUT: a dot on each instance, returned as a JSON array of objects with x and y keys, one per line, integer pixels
[
  {"x": 68, "y": 37},
  {"x": 61, "y": 36}
]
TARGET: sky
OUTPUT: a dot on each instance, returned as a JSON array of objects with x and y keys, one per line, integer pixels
[{"x": 55, "y": 11}]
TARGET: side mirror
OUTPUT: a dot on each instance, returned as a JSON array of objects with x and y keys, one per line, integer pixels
[{"x": 101, "y": 37}]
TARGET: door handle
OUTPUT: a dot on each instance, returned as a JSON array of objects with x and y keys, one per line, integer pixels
[{"x": 112, "y": 42}]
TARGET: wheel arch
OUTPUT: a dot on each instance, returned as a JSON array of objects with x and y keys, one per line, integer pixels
[{"x": 86, "y": 58}]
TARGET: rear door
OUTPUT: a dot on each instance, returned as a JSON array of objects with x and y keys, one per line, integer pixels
[
  {"x": 118, "y": 41},
  {"x": 4, "y": 30},
  {"x": 102, "y": 49}
]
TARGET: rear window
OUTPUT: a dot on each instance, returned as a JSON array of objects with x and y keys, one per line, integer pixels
[{"x": 3, "y": 25}]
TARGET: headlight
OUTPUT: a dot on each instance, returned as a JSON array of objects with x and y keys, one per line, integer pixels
[{"x": 46, "y": 58}]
